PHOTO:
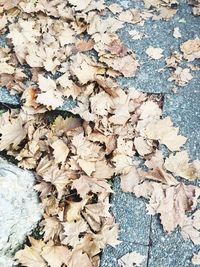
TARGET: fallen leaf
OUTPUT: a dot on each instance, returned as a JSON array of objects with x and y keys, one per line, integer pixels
[
  {"x": 131, "y": 259},
  {"x": 164, "y": 131},
  {"x": 191, "y": 49},
  {"x": 130, "y": 180},
  {"x": 155, "y": 53},
  {"x": 31, "y": 256},
  {"x": 60, "y": 152},
  {"x": 55, "y": 256},
  {"x": 177, "y": 33},
  {"x": 180, "y": 165},
  {"x": 12, "y": 133}
]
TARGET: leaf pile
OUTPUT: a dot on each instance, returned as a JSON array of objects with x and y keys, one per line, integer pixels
[{"x": 72, "y": 50}]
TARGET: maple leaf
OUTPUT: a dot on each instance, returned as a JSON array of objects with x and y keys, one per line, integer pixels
[
  {"x": 108, "y": 234},
  {"x": 176, "y": 202},
  {"x": 101, "y": 104},
  {"x": 50, "y": 96},
  {"x": 191, "y": 49},
  {"x": 142, "y": 147},
  {"x": 155, "y": 53},
  {"x": 12, "y": 132},
  {"x": 57, "y": 177},
  {"x": 55, "y": 255},
  {"x": 9, "y": 4},
  {"x": 31, "y": 256},
  {"x": 85, "y": 184},
  {"x": 131, "y": 259},
  {"x": 60, "y": 152},
  {"x": 130, "y": 16},
  {"x": 84, "y": 148},
  {"x": 87, "y": 166},
  {"x": 80, "y": 5},
  {"x": 94, "y": 214},
  {"x": 196, "y": 259},
  {"x": 127, "y": 65},
  {"x": 179, "y": 165},
  {"x": 72, "y": 232},
  {"x": 52, "y": 228},
  {"x": 121, "y": 115},
  {"x": 164, "y": 131},
  {"x": 130, "y": 180},
  {"x": 158, "y": 174},
  {"x": 123, "y": 163},
  {"x": 78, "y": 256}
]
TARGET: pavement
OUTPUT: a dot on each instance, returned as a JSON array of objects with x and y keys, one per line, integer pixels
[{"x": 138, "y": 231}]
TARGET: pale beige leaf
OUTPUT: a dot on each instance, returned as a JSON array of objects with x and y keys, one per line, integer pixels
[
  {"x": 127, "y": 65},
  {"x": 130, "y": 180},
  {"x": 180, "y": 165},
  {"x": 196, "y": 259},
  {"x": 6, "y": 68},
  {"x": 55, "y": 255},
  {"x": 87, "y": 166},
  {"x": 164, "y": 131},
  {"x": 85, "y": 184},
  {"x": 78, "y": 256},
  {"x": 121, "y": 115},
  {"x": 177, "y": 33},
  {"x": 61, "y": 151},
  {"x": 191, "y": 49},
  {"x": 80, "y": 5},
  {"x": 12, "y": 133},
  {"x": 52, "y": 228},
  {"x": 31, "y": 256},
  {"x": 131, "y": 259},
  {"x": 158, "y": 174},
  {"x": 72, "y": 231},
  {"x": 123, "y": 163},
  {"x": 142, "y": 147},
  {"x": 155, "y": 53}
]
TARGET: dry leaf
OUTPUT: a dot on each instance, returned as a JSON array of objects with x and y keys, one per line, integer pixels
[
  {"x": 196, "y": 259},
  {"x": 155, "y": 53},
  {"x": 179, "y": 165},
  {"x": 85, "y": 184},
  {"x": 176, "y": 202},
  {"x": 142, "y": 147},
  {"x": 131, "y": 259},
  {"x": 191, "y": 49},
  {"x": 177, "y": 33},
  {"x": 55, "y": 255},
  {"x": 130, "y": 180},
  {"x": 158, "y": 174},
  {"x": 12, "y": 133},
  {"x": 164, "y": 131},
  {"x": 126, "y": 65},
  {"x": 60, "y": 152},
  {"x": 31, "y": 256}
]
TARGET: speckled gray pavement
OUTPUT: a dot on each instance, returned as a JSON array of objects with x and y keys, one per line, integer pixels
[{"x": 139, "y": 231}]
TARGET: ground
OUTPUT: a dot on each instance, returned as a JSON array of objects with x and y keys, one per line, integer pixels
[{"x": 138, "y": 230}]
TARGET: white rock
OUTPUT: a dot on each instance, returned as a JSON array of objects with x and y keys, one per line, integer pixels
[{"x": 19, "y": 209}]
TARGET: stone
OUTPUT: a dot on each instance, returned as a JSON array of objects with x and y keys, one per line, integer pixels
[{"x": 19, "y": 208}]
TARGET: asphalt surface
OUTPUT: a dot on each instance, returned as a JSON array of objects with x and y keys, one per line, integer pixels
[{"x": 139, "y": 231}]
